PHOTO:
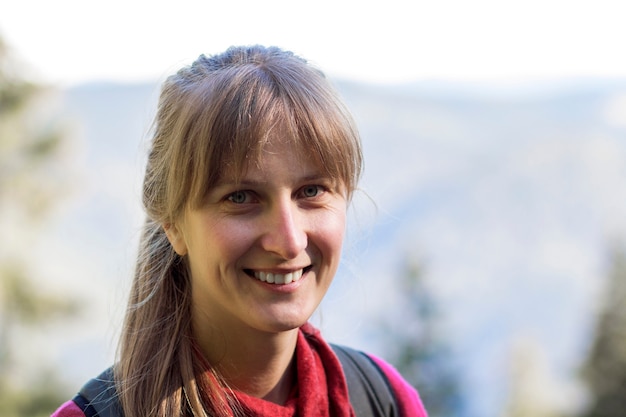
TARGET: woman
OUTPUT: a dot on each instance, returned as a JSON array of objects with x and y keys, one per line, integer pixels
[{"x": 254, "y": 160}]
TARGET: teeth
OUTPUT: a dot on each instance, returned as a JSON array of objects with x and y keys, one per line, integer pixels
[{"x": 278, "y": 279}]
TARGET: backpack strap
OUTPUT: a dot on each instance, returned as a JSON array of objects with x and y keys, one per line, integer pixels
[
  {"x": 98, "y": 397},
  {"x": 368, "y": 387}
]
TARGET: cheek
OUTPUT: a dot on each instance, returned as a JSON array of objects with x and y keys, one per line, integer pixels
[
  {"x": 231, "y": 239},
  {"x": 217, "y": 248},
  {"x": 331, "y": 234}
]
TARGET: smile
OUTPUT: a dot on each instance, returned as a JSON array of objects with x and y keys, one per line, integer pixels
[{"x": 279, "y": 279}]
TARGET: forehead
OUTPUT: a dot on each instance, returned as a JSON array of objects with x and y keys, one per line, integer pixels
[{"x": 279, "y": 153}]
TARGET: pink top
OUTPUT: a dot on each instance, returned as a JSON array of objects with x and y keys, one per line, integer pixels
[
  {"x": 69, "y": 409},
  {"x": 408, "y": 400}
]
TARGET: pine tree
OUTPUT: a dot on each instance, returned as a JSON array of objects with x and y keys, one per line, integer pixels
[
  {"x": 605, "y": 368},
  {"x": 418, "y": 345},
  {"x": 30, "y": 142}
]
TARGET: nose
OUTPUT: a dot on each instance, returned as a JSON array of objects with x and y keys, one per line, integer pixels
[{"x": 285, "y": 233}]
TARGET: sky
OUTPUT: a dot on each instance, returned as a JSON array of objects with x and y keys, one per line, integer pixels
[{"x": 73, "y": 41}]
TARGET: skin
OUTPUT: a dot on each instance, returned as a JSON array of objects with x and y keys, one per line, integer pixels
[{"x": 285, "y": 216}]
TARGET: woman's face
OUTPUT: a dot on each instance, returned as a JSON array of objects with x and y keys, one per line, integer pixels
[{"x": 263, "y": 252}]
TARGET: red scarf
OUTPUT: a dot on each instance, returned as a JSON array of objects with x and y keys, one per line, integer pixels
[{"x": 321, "y": 390}]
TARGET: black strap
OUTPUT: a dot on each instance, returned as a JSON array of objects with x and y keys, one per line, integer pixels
[
  {"x": 83, "y": 404},
  {"x": 98, "y": 397},
  {"x": 368, "y": 388}
]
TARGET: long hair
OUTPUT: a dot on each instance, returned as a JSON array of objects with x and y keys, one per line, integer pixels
[{"x": 214, "y": 115}]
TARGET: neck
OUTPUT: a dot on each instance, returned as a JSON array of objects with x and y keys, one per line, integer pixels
[{"x": 257, "y": 363}]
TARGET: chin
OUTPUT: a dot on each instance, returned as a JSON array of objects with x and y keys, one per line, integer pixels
[
  {"x": 283, "y": 317},
  {"x": 283, "y": 324}
]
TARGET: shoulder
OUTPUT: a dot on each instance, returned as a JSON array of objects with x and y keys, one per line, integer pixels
[
  {"x": 98, "y": 397},
  {"x": 407, "y": 398},
  {"x": 69, "y": 409}
]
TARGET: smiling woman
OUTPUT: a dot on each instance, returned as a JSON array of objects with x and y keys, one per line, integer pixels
[{"x": 254, "y": 160}]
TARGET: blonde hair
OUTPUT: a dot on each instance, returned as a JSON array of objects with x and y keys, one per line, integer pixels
[{"x": 214, "y": 115}]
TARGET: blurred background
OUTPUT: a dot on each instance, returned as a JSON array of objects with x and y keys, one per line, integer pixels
[{"x": 485, "y": 256}]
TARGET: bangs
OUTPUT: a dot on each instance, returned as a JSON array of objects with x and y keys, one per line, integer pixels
[{"x": 238, "y": 110}]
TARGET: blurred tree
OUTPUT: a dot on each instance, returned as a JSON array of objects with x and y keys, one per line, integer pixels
[
  {"x": 29, "y": 145},
  {"x": 418, "y": 346},
  {"x": 605, "y": 367},
  {"x": 534, "y": 390}
]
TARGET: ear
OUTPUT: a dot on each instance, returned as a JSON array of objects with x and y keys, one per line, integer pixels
[{"x": 176, "y": 238}]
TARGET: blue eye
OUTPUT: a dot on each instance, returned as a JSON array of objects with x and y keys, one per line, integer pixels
[
  {"x": 311, "y": 191},
  {"x": 238, "y": 197}
]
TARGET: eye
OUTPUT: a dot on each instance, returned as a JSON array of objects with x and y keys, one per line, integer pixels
[
  {"x": 239, "y": 197},
  {"x": 311, "y": 191}
]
